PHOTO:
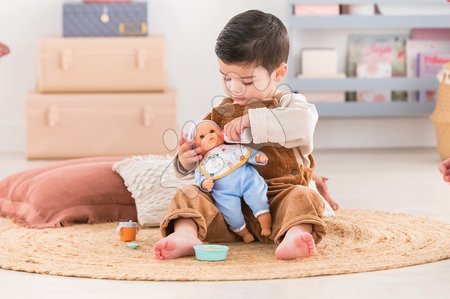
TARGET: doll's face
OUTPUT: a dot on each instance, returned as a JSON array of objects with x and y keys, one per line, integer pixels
[{"x": 207, "y": 137}]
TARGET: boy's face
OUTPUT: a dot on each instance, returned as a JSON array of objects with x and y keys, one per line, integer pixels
[{"x": 242, "y": 83}]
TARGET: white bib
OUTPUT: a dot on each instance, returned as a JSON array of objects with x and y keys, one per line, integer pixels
[{"x": 223, "y": 159}]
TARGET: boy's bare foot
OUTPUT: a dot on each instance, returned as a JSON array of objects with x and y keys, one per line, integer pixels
[
  {"x": 296, "y": 243},
  {"x": 177, "y": 244}
]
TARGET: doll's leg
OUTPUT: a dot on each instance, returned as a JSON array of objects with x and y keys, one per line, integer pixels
[
  {"x": 265, "y": 220},
  {"x": 231, "y": 209},
  {"x": 255, "y": 196}
]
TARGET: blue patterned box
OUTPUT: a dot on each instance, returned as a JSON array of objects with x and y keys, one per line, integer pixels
[{"x": 105, "y": 19}]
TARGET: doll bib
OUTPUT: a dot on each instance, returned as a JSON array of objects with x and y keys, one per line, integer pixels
[{"x": 223, "y": 159}]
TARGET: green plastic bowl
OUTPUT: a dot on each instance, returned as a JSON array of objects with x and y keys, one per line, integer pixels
[{"x": 210, "y": 252}]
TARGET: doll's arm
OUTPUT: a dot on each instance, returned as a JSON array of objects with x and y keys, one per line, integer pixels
[
  {"x": 205, "y": 184},
  {"x": 257, "y": 157}
]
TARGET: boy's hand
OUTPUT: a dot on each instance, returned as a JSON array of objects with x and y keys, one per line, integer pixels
[
  {"x": 444, "y": 168},
  {"x": 187, "y": 154},
  {"x": 208, "y": 184},
  {"x": 234, "y": 128},
  {"x": 261, "y": 158}
]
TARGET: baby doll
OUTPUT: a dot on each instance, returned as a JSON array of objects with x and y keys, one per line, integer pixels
[{"x": 225, "y": 170}]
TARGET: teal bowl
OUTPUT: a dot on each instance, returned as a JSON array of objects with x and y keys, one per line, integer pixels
[{"x": 210, "y": 252}]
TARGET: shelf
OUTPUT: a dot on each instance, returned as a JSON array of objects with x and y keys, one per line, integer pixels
[
  {"x": 399, "y": 2},
  {"x": 348, "y": 22},
  {"x": 354, "y": 84},
  {"x": 392, "y": 109},
  {"x": 376, "y": 21}
]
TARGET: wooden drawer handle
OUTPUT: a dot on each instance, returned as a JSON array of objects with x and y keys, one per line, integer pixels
[{"x": 52, "y": 117}]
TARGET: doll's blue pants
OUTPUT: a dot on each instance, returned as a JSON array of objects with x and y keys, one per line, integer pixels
[{"x": 244, "y": 182}]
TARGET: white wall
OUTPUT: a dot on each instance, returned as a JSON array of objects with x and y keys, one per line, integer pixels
[{"x": 191, "y": 28}]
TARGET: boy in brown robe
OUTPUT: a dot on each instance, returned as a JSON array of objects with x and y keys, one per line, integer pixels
[{"x": 252, "y": 52}]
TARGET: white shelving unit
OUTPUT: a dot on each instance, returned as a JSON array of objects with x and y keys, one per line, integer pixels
[{"x": 349, "y": 22}]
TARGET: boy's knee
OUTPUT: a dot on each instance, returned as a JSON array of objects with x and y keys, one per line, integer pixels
[
  {"x": 191, "y": 197},
  {"x": 308, "y": 196},
  {"x": 189, "y": 191}
]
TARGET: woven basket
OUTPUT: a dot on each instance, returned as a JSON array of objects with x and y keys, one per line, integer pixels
[{"x": 441, "y": 113}]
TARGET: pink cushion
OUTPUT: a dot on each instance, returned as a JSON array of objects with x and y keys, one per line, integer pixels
[{"x": 62, "y": 193}]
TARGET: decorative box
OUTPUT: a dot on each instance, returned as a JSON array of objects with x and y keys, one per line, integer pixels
[
  {"x": 98, "y": 124},
  {"x": 319, "y": 61},
  {"x": 105, "y": 19},
  {"x": 101, "y": 64}
]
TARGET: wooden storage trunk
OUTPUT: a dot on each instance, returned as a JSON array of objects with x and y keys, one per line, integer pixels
[
  {"x": 101, "y": 64},
  {"x": 84, "y": 125}
]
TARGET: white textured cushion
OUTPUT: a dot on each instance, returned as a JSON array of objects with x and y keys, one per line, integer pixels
[{"x": 152, "y": 183}]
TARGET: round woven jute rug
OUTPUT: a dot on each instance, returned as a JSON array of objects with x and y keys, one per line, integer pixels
[{"x": 357, "y": 241}]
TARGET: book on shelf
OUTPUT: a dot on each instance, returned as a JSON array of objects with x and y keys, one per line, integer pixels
[
  {"x": 316, "y": 9},
  {"x": 414, "y": 47},
  {"x": 430, "y": 34},
  {"x": 373, "y": 70},
  {"x": 376, "y": 56},
  {"x": 377, "y": 96},
  {"x": 429, "y": 65},
  {"x": 376, "y": 49},
  {"x": 373, "y": 96}
]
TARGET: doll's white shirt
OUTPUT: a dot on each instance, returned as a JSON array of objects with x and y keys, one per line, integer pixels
[{"x": 223, "y": 159}]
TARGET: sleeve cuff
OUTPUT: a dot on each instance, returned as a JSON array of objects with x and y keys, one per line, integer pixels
[
  {"x": 179, "y": 169},
  {"x": 258, "y": 124}
]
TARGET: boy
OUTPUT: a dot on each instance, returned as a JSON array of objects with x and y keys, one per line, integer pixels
[{"x": 252, "y": 52}]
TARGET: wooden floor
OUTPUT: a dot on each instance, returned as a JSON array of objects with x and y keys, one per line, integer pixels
[{"x": 390, "y": 180}]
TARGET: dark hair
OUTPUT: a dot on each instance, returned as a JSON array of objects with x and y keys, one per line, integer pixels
[{"x": 254, "y": 37}]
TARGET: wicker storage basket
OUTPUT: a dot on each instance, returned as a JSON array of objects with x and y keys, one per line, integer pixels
[{"x": 441, "y": 113}]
